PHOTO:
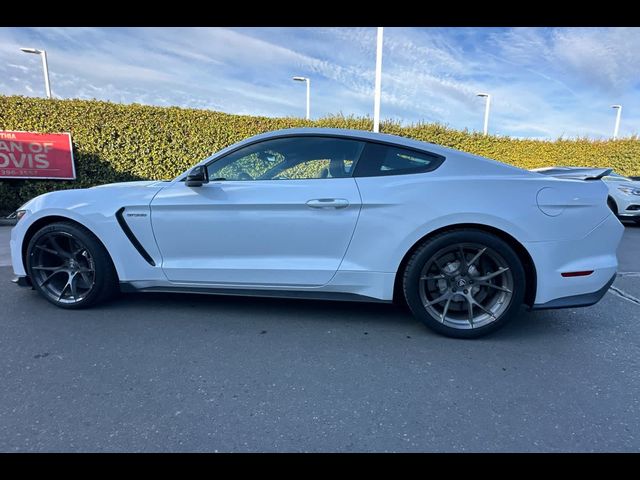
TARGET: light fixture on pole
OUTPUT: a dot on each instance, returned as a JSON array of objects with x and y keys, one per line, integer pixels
[
  {"x": 617, "y": 127},
  {"x": 308, "y": 80},
  {"x": 487, "y": 106},
  {"x": 45, "y": 66},
  {"x": 376, "y": 95}
]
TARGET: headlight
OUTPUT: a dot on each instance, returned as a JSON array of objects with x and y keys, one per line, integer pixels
[
  {"x": 629, "y": 190},
  {"x": 17, "y": 215}
]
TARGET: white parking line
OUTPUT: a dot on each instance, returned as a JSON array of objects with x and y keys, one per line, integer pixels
[{"x": 624, "y": 295}]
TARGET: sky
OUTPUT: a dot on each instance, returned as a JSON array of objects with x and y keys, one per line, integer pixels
[{"x": 545, "y": 82}]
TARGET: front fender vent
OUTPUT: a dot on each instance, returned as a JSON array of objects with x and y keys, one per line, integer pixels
[{"x": 132, "y": 238}]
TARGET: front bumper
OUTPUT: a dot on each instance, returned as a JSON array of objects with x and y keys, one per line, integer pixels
[
  {"x": 630, "y": 213},
  {"x": 629, "y": 206}
]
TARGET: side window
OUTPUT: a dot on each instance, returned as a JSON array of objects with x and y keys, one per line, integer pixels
[
  {"x": 378, "y": 160},
  {"x": 292, "y": 158},
  {"x": 245, "y": 165}
]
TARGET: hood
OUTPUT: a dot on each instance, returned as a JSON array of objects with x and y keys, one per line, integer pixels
[{"x": 99, "y": 198}]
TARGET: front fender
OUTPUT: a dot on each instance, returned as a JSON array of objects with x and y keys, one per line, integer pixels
[{"x": 94, "y": 209}]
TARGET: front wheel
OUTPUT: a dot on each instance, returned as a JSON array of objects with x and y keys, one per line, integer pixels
[
  {"x": 464, "y": 283},
  {"x": 69, "y": 266}
]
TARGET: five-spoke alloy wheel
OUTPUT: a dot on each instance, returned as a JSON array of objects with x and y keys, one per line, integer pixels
[
  {"x": 464, "y": 283},
  {"x": 69, "y": 266}
]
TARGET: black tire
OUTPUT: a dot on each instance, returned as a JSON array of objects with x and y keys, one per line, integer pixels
[
  {"x": 100, "y": 284},
  {"x": 611, "y": 203},
  {"x": 637, "y": 220},
  {"x": 426, "y": 254}
]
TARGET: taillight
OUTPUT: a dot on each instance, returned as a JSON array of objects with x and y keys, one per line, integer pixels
[{"x": 582, "y": 273}]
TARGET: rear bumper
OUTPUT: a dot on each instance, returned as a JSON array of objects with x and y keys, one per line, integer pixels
[
  {"x": 595, "y": 252},
  {"x": 583, "y": 300}
]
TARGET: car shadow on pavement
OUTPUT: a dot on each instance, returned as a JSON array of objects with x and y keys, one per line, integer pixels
[
  {"x": 177, "y": 310},
  {"x": 238, "y": 308}
]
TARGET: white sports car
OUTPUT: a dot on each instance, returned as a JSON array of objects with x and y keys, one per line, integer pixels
[{"x": 332, "y": 214}]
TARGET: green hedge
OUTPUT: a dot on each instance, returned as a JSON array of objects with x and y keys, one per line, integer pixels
[{"x": 114, "y": 142}]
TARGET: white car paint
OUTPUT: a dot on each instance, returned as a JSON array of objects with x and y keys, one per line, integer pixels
[
  {"x": 255, "y": 233},
  {"x": 263, "y": 234}
]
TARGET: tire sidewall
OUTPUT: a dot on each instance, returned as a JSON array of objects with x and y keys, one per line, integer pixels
[
  {"x": 94, "y": 248},
  {"x": 411, "y": 282}
]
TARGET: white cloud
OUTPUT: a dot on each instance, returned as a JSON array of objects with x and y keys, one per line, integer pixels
[
  {"x": 544, "y": 82},
  {"x": 19, "y": 67},
  {"x": 606, "y": 58}
]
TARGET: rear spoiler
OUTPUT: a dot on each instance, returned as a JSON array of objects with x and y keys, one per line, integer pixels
[
  {"x": 595, "y": 174},
  {"x": 599, "y": 176}
]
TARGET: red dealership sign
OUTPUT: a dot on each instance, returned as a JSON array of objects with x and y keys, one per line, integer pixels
[{"x": 36, "y": 155}]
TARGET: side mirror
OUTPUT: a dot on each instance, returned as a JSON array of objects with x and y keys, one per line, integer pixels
[{"x": 197, "y": 177}]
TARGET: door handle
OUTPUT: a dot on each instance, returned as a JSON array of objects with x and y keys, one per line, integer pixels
[{"x": 328, "y": 203}]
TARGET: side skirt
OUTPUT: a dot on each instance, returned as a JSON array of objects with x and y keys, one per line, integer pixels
[{"x": 128, "y": 287}]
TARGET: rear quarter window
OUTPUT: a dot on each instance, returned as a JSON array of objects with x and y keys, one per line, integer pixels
[{"x": 379, "y": 160}]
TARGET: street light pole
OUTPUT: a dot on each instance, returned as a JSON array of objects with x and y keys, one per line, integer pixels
[
  {"x": 487, "y": 106},
  {"x": 45, "y": 67},
  {"x": 617, "y": 127},
  {"x": 308, "y": 80},
  {"x": 376, "y": 97}
]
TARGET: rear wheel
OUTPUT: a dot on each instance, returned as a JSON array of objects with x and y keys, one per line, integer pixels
[
  {"x": 464, "y": 283},
  {"x": 69, "y": 266}
]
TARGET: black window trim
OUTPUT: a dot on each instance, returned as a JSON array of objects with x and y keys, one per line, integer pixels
[{"x": 437, "y": 164}]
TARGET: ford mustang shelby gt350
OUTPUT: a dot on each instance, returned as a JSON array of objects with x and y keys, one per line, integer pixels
[{"x": 464, "y": 240}]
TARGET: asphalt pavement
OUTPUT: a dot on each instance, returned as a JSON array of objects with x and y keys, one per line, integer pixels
[{"x": 158, "y": 372}]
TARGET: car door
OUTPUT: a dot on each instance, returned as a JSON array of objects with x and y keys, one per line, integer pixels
[{"x": 280, "y": 212}]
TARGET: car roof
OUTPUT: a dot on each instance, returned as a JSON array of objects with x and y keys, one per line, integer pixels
[{"x": 356, "y": 134}]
